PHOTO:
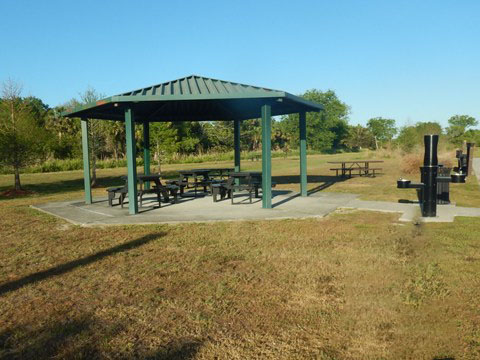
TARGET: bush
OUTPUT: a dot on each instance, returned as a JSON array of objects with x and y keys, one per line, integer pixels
[
  {"x": 411, "y": 163},
  {"x": 56, "y": 165}
]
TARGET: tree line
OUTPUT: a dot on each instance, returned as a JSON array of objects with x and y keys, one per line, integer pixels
[{"x": 32, "y": 132}]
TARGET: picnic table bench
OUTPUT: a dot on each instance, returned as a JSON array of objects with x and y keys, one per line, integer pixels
[
  {"x": 361, "y": 166},
  {"x": 122, "y": 192}
]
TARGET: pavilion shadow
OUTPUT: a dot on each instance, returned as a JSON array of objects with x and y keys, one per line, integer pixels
[
  {"x": 283, "y": 201},
  {"x": 67, "y": 267},
  {"x": 325, "y": 181},
  {"x": 295, "y": 179},
  {"x": 55, "y": 187}
]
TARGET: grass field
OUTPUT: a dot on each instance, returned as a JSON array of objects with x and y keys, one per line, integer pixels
[{"x": 355, "y": 285}]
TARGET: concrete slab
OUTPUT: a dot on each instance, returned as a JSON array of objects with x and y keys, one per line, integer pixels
[{"x": 286, "y": 205}]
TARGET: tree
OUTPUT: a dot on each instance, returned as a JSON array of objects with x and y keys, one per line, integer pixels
[
  {"x": 325, "y": 130},
  {"x": 66, "y": 141},
  {"x": 359, "y": 137},
  {"x": 163, "y": 138},
  {"x": 382, "y": 129},
  {"x": 251, "y": 134},
  {"x": 464, "y": 121},
  {"x": 96, "y": 131},
  {"x": 458, "y": 126},
  {"x": 22, "y": 137},
  {"x": 426, "y": 128},
  {"x": 407, "y": 138}
]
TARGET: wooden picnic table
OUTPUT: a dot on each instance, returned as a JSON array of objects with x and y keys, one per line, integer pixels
[{"x": 362, "y": 166}]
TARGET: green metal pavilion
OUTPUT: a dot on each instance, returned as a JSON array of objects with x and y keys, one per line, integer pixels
[{"x": 195, "y": 98}]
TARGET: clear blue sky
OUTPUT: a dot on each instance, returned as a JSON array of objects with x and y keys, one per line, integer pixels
[{"x": 408, "y": 60}]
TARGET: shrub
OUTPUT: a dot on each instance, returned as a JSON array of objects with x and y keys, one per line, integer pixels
[{"x": 411, "y": 163}]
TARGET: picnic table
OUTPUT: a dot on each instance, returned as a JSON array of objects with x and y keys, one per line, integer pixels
[
  {"x": 200, "y": 178},
  {"x": 219, "y": 173},
  {"x": 158, "y": 188},
  {"x": 249, "y": 181},
  {"x": 161, "y": 190},
  {"x": 192, "y": 179},
  {"x": 362, "y": 166}
]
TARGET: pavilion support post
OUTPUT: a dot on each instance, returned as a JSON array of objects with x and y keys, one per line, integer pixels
[
  {"x": 266, "y": 157},
  {"x": 236, "y": 142},
  {"x": 86, "y": 162},
  {"x": 131, "y": 162},
  {"x": 303, "y": 153},
  {"x": 146, "y": 151}
]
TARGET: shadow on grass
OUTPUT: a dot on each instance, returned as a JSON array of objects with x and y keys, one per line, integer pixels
[
  {"x": 405, "y": 201},
  {"x": 82, "y": 338},
  {"x": 60, "y": 186},
  {"x": 325, "y": 180},
  {"x": 177, "y": 351},
  {"x": 295, "y": 179},
  {"x": 64, "y": 268}
]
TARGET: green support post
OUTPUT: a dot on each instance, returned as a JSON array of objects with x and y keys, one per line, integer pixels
[
  {"x": 266, "y": 157},
  {"x": 146, "y": 151},
  {"x": 86, "y": 163},
  {"x": 303, "y": 153},
  {"x": 236, "y": 142},
  {"x": 131, "y": 162}
]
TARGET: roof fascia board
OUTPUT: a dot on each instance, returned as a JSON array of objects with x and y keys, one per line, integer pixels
[
  {"x": 79, "y": 108},
  {"x": 141, "y": 98},
  {"x": 314, "y": 105}
]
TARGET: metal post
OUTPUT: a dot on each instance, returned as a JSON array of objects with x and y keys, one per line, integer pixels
[
  {"x": 146, "y": 151},
  {"x": 470, "y": 148},
  {"x": 86, "y": 162},
  {"x": 236, "y": 142},
  {"x": 266, "y": 157},
  {"x": 131, "y": 162},
  {"x": 303, "y": 153},
  {"x": 429, "y": 172}
]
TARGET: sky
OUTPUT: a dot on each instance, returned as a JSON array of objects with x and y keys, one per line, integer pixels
[{"x": 407, "y": 60}]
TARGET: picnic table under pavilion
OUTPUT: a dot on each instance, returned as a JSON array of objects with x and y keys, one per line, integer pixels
[{"x": 195, "y": 98}]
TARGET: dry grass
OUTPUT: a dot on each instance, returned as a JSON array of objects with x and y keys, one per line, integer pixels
[
  {"x": 355, "y": 285},
  {"x": 412, "y": 162}
]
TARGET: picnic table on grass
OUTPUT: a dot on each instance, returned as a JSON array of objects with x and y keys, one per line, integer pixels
[{"x": 361, "y": 166}]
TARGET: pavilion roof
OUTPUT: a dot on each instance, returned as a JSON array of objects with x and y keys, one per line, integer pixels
[{"x": 195, "y": 98}]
